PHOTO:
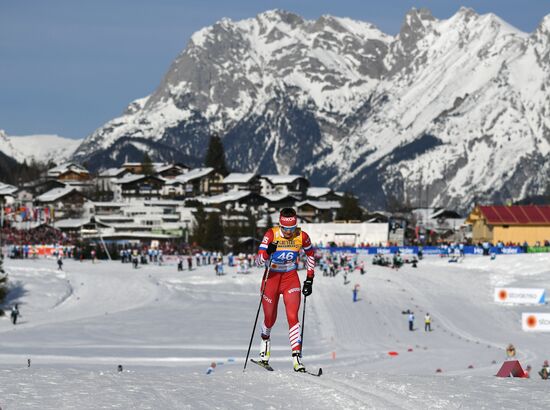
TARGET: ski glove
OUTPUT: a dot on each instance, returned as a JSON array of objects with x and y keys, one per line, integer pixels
[
  {"x": 272, "y": 247},
  {"x": 260, "y": 261},
  {"x": 308, "y": 286}
]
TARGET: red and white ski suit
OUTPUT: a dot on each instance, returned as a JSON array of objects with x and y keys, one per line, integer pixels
[{"x": 283, "y": 280}]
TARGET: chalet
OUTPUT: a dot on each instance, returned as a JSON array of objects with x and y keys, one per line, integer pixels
[
  {"x": 284, "y": 184},
  {"x": 318, "y": 211},
  {"x": 171, "y": 171},
  {"x": 279, "y": 201},
  {"x": 242, "y": 182},
  {"x": 137, "y": 167},
  {"x": 132, "y": 187},
  {"x": 106, "y": 178},
  {"x": 198, "y": 181},
  {"x": 323, "y": 194},
  {"x": 64, "y": 201},
  {"x": 7, "y": 193},
  {"x": 510, "y": 224},
  {"x": 69, "y": 172},
  {"x": 235, "y": 200}
]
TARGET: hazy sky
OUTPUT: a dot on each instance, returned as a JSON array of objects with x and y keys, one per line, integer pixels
[{"x": 68, "y": 66}]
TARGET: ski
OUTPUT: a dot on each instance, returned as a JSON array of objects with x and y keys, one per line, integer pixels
[
  {"x": 265, "y": 366},
  {"x": 318, "y": 374}
]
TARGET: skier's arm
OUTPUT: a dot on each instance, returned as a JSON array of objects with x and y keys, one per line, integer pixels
[
  {"x": 308, "y": 250},
  {"x": 263, "y": 255}
]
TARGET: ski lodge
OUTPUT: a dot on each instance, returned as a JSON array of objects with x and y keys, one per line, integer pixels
[{"x": 516, "y": 223}]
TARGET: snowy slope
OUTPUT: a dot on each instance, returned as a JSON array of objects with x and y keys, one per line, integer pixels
[
  {"x": 41, "y": 148},
  {"x": 447, "y": 111},
  {"x": 166, "y": 327}
]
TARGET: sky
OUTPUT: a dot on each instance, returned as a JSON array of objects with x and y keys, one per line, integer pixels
[{"x": 67, "y": 67}]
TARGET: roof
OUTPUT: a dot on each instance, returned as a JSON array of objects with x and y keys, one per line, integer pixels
[
  {"x": 238, "y": 178},
  {"x": 6, "y": 189},
  {"x": 225, "y": 197},
  {"x": 71, "y": 223},
  {"x": 516, "y": 214},
  {"x": 55, "y": 194},
  {"x": 316, "y": 192},
  {"x": 112, "y": 172},
  {"x": 135, "y": 177},
  {"x": 166, "y": 167},
  {"x": 320, "y": 204},
  {"x": 193, "y": 174},
  {"x": 65, "y": 167},
  {"x": 279, "y": 197},
  {"x": 282, "y": 179}
]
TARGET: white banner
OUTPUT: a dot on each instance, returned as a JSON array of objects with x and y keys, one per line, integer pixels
[
  {"x": 535, "y": 322},
  {"x": 522, "y": 296}
]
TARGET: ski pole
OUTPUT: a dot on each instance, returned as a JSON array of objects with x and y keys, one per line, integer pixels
[
  {"x": 303, "y": 325},
  {"x": 266, "y": 274}
]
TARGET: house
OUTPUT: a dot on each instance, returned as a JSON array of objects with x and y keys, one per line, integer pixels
[
  {"x": 131, "y": 187},
  {"x": 242, "y": 182},
  {"x": 510, "y": 224},
  {"x": 64, "y": 201},
  {"x": 137, "y": 167},
  {"x": 295, "y": 185},
  {"x": 171, "y": 171},
  {"x": 323, "y": 194},
  {"x": 235, "y": 200},
  {"x": 198, "y": 181},
  {"x": 106, "y": 178},
  {"x": 318, "y": 211},
  {"x": 69, "y": 172},
  {"x": 7, "y": 193},
  {"x": 39, "y": 186},
  {"x": 279, "y": 201}
]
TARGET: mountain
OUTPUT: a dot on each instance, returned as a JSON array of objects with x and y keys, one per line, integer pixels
[
  {"x": 445, "y": 113},
  {"x": 40, "y": 148}
]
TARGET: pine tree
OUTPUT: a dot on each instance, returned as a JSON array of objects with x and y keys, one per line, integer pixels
[
  {"x": 350, "y": 209},
  {"x": 199, "y": 226},
  {"x": 215, "y": 155},
  {"x": 214, "y": 235},
  {"x": 147, "y": 165}
]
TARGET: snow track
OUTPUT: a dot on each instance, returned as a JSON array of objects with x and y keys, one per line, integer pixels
[{"x": 166, "y": 328}]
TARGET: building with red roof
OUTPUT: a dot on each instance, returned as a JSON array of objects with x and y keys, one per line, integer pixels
[{"x": 514, "y": 223}]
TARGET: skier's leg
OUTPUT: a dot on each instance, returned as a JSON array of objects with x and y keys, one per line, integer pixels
[
  {"x": 270, "y": 302},
  {"x": 292, "y": 298}
]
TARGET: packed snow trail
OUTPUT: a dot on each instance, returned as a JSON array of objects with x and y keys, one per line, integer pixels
[{"x": 166, "y": 327}]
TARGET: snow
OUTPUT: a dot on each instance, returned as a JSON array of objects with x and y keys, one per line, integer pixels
[
  {"x": 238, "y": 178},
  {"x": 193, "y": 174},
  {"x": 55, "y": 194},
  {"x": 38, "y": 147},
  {"x": 165, "y": 328}
]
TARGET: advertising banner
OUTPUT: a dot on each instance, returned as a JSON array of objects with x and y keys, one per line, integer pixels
[
  {"x": 520, "y": 296},
  {"x": 535, "y": 322}
]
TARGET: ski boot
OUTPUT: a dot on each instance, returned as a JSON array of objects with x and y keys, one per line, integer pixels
[
  {"x": 297, "y": 359},
  {"x": 265, "y": 351}
]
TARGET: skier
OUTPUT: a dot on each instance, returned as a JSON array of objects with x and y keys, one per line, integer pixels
[
  {"x": 285, "y": 242},
  {"x": 545, "y": 370},
  {"x": 14, "y": 314},
  {"x": 59, "y": 262},
  {"x": 355, "y": 292}
]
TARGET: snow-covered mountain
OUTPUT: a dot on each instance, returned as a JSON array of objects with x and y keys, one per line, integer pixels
[
  {"x": 41, "y": 148},
  {"x": 447, "y": 112}
]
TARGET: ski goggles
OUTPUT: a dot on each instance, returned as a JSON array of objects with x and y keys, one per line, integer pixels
[{"x": 287, "y": 229}]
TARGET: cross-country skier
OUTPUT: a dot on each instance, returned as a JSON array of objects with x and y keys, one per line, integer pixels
[{"x": 282, "y": 278}]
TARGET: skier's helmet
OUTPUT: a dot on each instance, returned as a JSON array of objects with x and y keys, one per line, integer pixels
[{"x": 288, "y": 222}]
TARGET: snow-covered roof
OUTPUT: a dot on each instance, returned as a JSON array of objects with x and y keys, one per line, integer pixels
[
  {"x": 133, "y": 178},
  {"x": 60, "y": 169},
  {"x": 55, "y": 194},
  {"x": 282, "y": 179},
  {"x": 316, "y": 192},
  {"x": 279, "y": 197},
  {"x": 320, "y": 204},
  {"x": 167, "y": 167},
  {"x": 225, "y": 197},
  {"x": 112, "y": 172},
  {"x": 193, "y": 174},
  {"x": 71, "y": 223},
  {"x": 238, "y": 178},
  {"x": 6, "y": 189}
]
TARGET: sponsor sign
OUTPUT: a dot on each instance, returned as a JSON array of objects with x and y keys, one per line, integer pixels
[
  {"x": 521, "y": 296},
  {"x": 535, "y": 322}
]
